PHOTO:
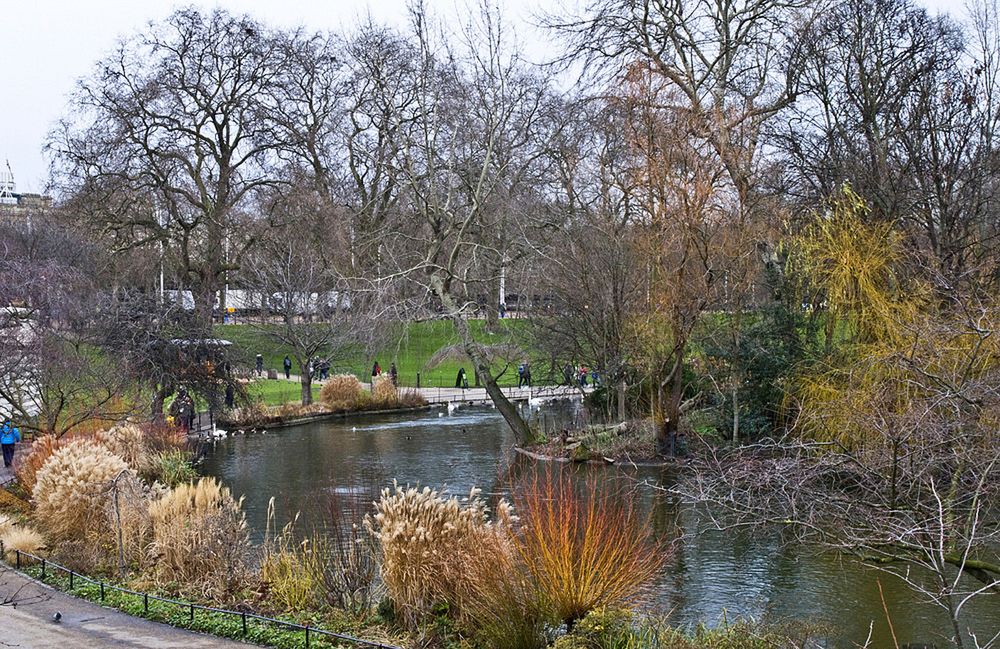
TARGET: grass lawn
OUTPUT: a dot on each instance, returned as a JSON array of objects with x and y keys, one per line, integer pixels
[{"x": 411, "y": 350}]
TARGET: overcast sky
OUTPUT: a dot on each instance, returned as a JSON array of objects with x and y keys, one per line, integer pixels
[{"x": 46, "y": 45}]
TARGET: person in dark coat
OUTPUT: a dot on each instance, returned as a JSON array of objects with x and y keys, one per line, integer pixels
[
  {"x": 260, "y": 364},
  {"x": 394, "y": 374},
  {"x": 288, "y": 367},
  {"x": 461, "y": 381},
  {"x": 230, "y": 395}
]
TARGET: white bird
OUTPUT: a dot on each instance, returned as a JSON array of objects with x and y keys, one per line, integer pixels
[
  {"x": 354, "y": 429},
  {"x": 440, "y": 414},
  {"x": 451, "y": 407}
]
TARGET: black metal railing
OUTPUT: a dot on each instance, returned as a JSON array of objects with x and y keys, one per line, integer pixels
[{"x": 310, "y": 632}]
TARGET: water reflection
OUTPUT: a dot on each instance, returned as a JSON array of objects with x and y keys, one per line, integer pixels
[{"x": 711, "y": 574}]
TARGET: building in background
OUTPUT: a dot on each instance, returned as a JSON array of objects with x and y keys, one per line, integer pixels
[{"x": 15, "y": 205}]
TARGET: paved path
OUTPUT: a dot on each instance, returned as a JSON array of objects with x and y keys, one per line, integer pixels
[{"x": 83, "y": 625}]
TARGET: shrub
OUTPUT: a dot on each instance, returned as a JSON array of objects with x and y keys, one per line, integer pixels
[
  {"x": 200, "y": 539},
  {"x": 500, "y": 605},
  {"x": 420, "y": 533},
  {"x": 583, "y": 550},
  {"x": 346, "y": 561},
  {"x": 411, "y": 398},
  {"x": 288, "y": 576},
  {"x": 342, "y": 391},
  {"x": 171, "y": 468},
  {"x": 28, "y": 465},
  {"x": 622, "y": 629},
  {"x": 286, "y": 568}
]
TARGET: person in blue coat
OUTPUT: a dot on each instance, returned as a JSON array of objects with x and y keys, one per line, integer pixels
[{"x": 9, "y": 436}]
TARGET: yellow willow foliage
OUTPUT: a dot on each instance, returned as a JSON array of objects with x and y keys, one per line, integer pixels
[
  {"x": 882, "y": 391},
  {"x": 856, "y": 266}
]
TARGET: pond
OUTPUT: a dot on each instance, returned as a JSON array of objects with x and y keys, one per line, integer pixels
[{"x": 712, "y": 574}]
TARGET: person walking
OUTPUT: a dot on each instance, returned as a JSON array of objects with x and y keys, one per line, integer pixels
[
  {"x": 520, "y": 375},
  {"x": 394, "y": 374},
  {"x": 324, "y": 370},
  {"x": 567, "y": 375},
  {"x": 260, "y": 364},
  {"x": 462, "y": 381},
  {"x": 9, "y": 436},
  {"x": 376, "y": 371},
  {"x": 288, "y": 367}
]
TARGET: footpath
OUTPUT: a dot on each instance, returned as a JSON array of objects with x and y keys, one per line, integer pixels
[{"x": 26, "y": 620}]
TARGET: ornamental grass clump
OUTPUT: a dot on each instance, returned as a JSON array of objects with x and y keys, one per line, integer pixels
[
  {"x": 92, "y": 507},
  {"x": 422, "y": 536},
  {"x": 128, "y": 441},
  {"x": 27, "y": 465},
  {"x": 384, "y": 393},
  {"x": 15, "y": 536},
  {"x": 71, "y": 489},
  {"x": 200, "y": 539},
  {"x": 343, "y": 391},
  {"x": 584, "y": 545}
]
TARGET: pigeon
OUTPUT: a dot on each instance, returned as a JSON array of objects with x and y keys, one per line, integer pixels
[{"x": 56, "y": 616}]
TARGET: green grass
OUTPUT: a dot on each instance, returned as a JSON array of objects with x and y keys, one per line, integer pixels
[{"x": 411, "y": 350}]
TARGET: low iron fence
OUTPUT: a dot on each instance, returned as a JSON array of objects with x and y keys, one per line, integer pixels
[{"x": 310, "y": 632}]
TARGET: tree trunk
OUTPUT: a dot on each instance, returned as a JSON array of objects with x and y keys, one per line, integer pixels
[
  {"x": 482, "y": 367},
  {"x": 622, "y": 415},
  {"x": 670, "y": 392},
  {"x": 305, "y": 378},
  {"x": 204, "y": 305}
]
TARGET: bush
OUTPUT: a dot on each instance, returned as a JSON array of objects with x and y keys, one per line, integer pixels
[
  {"x": 19, "y": 537},
  {"x": 583, "y": 550},
  {"x": 346, "y": 557},
  {"x": 171, "y": 468},
  {"x": 200, "y": 539},
  {"x": 287, "y": 573},
  {"x": 622, "y": 629},
  {"x": 500, "y": 604},
  {"x": 343, "y": 391}
]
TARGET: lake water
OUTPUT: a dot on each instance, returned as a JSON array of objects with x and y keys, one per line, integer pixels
[{"x": 711, "y": 574}]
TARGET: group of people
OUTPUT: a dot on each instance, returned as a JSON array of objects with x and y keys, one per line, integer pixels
[
  {"x": 377, "y": 372},
  {"x": 182, "y": 411},
  {"x": 10, "y": 435},
  {"x": 578, "y": 375}
]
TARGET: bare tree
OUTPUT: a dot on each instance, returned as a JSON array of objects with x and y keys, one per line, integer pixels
[
  {"x": 307, "y": 305},
  {"x": 467, "y": 162},
  {"x": 169, "y": 140}
]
